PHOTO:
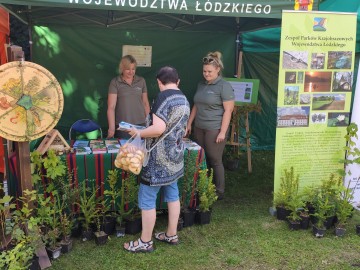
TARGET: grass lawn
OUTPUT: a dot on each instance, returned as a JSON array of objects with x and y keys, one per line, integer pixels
[{"x": 242, "y": 235}]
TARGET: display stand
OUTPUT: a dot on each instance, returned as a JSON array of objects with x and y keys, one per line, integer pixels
[
  {"x": 234, "y": 136},
  {"x": 235, "y": 128}
]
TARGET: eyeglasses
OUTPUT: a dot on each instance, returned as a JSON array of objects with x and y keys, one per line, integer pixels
[{"x": 208, "y": 60}]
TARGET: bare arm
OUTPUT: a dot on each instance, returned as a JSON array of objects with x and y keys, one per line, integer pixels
[
  {"x": 155, "y": 130},
  {"x": 191, "y": 120},
  {"x": 145, "y": 101},
  {"x": 228, "y": 109},
  {"x": 111, "y": 104}
]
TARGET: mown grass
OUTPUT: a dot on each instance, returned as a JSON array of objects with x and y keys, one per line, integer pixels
[{"x": 242, "y": 235}]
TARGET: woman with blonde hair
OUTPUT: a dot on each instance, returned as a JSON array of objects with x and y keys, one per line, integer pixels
[
  {"x": 127, "y": 98},
  {"x": 211, "y": 114}
]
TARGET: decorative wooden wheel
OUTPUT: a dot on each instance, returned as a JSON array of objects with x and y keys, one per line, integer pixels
[{"x": 31, "y": 101}]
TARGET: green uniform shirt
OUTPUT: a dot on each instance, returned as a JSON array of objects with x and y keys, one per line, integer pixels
[
  {"x": 209, "y": 100},
  {"x": 129, "y": 105}
]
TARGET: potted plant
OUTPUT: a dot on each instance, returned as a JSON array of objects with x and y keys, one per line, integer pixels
[
  {"x": 53, "y": 247},
  {"x": 289, "y": 186},
  {"x": 65, "y": 195},
  {"x": 88, "y": 212},
  {"x": 21, "y": 255},
  {"x": 304, "y": 219},
  {"x": 26, "y": 235},
  {"x": 6, "y": 224},
  {"x": 53, "y": 166},
  {"x": 112, "y": 196},
  {"x": 352, "y": 159},
  {"x": 100, "y": 236},
  {"x": 295, "y": 205},
  {"x": 323, "y": 207},
  {"x": 343, "y": 209},
  {"x": 207, "y": 196},
  {"x": 331, "y": 187},
  {"x": 129, "y": 210},
  {"x": 187, "y": 209}
]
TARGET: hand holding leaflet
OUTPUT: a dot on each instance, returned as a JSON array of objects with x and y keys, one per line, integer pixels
[{"x": 124, "y": 126}]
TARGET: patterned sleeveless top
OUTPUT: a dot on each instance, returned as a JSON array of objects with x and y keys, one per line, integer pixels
[{"x": 166, "y": 160}]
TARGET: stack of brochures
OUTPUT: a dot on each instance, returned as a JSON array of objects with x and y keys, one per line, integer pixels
[
  {"x": 82, "y": 147},
  {"x": 112, "y": 146},
  {"x": 126, "y": 126},
  {"x": 80, "y": 143},
  {"x": 191, "y": 145},
  {"x": 85, "y": 150},
  {"x": 98, "y": 146}
]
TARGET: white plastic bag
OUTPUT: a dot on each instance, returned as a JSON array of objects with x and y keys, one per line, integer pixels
[{"x": 131, "y": 155}]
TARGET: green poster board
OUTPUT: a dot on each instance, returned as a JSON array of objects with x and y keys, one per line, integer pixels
[{"x": 246, "y": 90}]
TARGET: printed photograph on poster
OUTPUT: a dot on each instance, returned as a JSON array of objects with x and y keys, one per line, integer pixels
[
  {"x": 305, "y": 99},
  {"x": 290, "y": 77},
  {"x": 291, "y": 95},
  {"x": 328, "y": 102},
  {"x": 339, "y": 119},
  {"x": 318, "y": 118},
  {"x": 317, "y": 81},
  {"x": 342, "y": 81},
  {"x": 339, "y": 60},
  {"x": 300, "y": 77},
  {"x": 295, "y": 60},
  {"x": 317, "y": 61},
  {"x": 293, "y": 117}
]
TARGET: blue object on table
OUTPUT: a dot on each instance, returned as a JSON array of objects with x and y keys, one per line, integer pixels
[{"x": 85, "y": 126}]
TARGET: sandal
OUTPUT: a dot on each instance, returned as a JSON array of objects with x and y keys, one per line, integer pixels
[
  {"x": 140, "y": 247},
  {"x": 162, "y": 236}
]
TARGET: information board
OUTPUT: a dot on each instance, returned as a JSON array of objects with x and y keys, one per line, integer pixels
[
  {"x": 142, "y": 54},
  {"x": 246, "y": 90}
]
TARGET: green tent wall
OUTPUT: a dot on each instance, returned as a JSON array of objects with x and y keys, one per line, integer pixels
[
  {"x": 84, "y": 60},
  {"x": 82, "y": 45}
]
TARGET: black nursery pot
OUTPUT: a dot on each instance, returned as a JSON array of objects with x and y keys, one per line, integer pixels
[
  {"x": 87, "y": 235},
  {"x": 101, "y": 238},
  {"x": 318, "y": 232},
  {"x": 34, "y": 263},
  {"x": 329, "y": 222},
  {"x": 340, "y": 232},
  {"x": 120, "y": 231},
  {"x": 109, "y": 225},
  {"x": 133, "y": 226},
  {"x": 76, "y": 230},
  {"x": 203, "y": 218},
  {"x": 188, "y": 216},
  {"x": 357, "y": 229},
  {"x": 53, "y": 253},
  {"x": 66, "y": 246},
  {"x": 282, "y": 213},
  {"x": 304, "y": 222},
  {"x": 294, "y": 225}
]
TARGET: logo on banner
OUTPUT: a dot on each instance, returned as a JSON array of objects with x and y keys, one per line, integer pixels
[{"x": 319, "y": 24}]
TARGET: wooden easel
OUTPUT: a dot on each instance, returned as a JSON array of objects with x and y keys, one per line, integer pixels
[{"x": 235, "y": 128}]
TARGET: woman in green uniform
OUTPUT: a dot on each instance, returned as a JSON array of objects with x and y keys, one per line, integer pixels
[{"x": 213, "y": 106}]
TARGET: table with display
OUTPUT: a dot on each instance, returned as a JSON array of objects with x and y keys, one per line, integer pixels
[{"x": 96, "y": 167}]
